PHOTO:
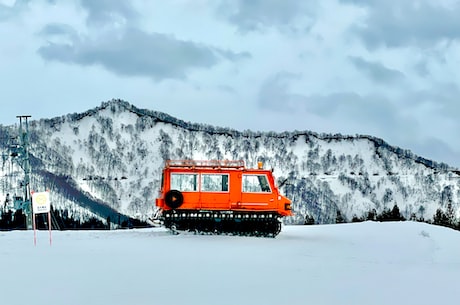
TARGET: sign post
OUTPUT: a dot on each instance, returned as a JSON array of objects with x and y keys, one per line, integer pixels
[{"x": 41, "y": 204}]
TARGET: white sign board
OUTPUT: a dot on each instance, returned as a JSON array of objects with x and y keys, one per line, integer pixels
[{"x": 41, "y": 202}]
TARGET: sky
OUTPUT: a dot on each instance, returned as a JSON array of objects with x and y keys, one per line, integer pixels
[
  {"x": 389, "y": 69},
  {"x": 399, "y": 263}
]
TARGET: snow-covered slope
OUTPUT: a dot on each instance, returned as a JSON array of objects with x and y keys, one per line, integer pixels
[
  {"x": 113, "y": 155},
  {"x": 398, "y": 263}
]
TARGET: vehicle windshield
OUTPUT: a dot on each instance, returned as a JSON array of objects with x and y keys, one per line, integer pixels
[{"x": 256, "y": 184}]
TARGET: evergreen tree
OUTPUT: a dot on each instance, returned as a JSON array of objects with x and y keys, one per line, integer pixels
[
  {"x": 440, "y": 218},
  {"x": 396, "y": 215},
  {"x": 372, "y": 215},
  {"x": 355, "y": 218},
  {"x": 6, "y": 220},
  {"x": 339, "y": 218},
  {"x": 393, "y": 215},
  {"x": 309, "y": 220},
  {"x": 450, "y": 215}
]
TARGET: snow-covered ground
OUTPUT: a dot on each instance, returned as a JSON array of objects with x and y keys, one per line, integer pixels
[{"x": 361, "y": 263}]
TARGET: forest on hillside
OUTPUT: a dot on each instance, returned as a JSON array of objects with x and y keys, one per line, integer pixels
[{"x": 108, "y": 160}]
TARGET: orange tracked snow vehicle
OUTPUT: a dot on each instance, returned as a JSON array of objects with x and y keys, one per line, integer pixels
[{"x": 220, "y": 197}]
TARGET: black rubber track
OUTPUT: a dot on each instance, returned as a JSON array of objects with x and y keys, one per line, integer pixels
[{"x": 264, "y": 224}]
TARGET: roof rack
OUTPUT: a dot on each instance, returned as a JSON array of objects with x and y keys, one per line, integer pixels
[{"x": 206, "y": 163}]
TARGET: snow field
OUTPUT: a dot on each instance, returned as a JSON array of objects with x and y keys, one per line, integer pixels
[{"x": 359, "y": 263}]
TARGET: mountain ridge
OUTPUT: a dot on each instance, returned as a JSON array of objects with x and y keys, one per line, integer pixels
[{"x": 325, "y": 173}]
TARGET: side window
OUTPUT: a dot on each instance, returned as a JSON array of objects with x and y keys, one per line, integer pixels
[
  {"x": 255, "y": 184},
  {"x": 214, "y": 182},
  {"x": 184, "y": 182}
]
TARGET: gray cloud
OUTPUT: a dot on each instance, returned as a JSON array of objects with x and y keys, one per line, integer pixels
[
  {"x": 135, "y": 53},
  {"x": 256, "y": 15},
  {"x": 227, "y": 89},
  {"x": 444, "y": 98},
  {"x": 376, "y": 71},
  {"x": 274, "y": 93},
  {"x": 59, "y": 30},
  {"x": 406, "y": 23},
  {"x": 435, "y": 149},
  {"x": 421, "y": 68},
  {"x": 108, "y": 11},
  {"x": 374, "y": 112},
  {"x": 7, "y": 12}
]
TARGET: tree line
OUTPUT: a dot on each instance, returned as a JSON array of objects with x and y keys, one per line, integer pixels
[{"x": 442, "y": 217}]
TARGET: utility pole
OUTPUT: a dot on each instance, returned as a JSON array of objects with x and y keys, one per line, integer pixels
[{"x": 23, "y": 159}]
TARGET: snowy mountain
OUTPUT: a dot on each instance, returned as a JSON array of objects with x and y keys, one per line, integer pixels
[{"x": 107, "y": 161}]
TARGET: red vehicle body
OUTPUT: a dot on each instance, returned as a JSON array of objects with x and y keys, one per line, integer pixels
[{"x": 221, "y": 196}]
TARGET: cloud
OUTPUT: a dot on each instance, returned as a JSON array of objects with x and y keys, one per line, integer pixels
[
  {"x": 436, "y": 149},
  {"x": 132, "y": 52},
  {"x": 109, "y": 11},
  {"x": 274, "y": 93},
  {"x": 376, "y": 71},
  {"x": 361, "y": 113},
  {"x": 441, "y": 98},
  {"x": 371, "y": 112},
  {"x": 9, "y": 11},
  {"x": 256, "y": 15},
  {"x": 59, "y": 32},
  {"x": 407, "y": 23},
  {"x": 421, "y": 68}
]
